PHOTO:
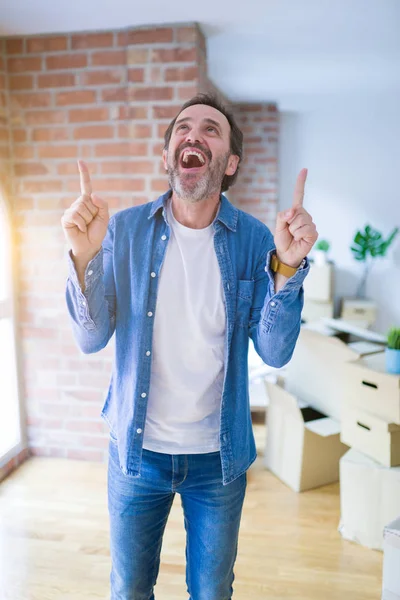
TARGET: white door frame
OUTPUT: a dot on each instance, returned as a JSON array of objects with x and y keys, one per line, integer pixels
[{"x": 8, "y": 310}]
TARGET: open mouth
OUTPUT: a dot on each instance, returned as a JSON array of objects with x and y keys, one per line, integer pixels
[{"x": 192, "y": 159}]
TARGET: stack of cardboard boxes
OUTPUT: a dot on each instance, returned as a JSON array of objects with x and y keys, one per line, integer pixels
[
  {"x": 319, "y": 299},
  {"x": 303, "y": 446},
  {"x": 370, "y": 471},
  {"x": 336, "y": 412},
  {"x": 318, "y": 292}
]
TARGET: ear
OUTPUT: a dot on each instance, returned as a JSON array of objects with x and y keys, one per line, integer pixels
[
  {"x": 164, "y": 159},
  {"x": 232, "y": 164}
]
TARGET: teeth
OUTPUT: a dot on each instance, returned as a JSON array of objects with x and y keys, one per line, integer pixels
[{"x": 193, "y": 153}]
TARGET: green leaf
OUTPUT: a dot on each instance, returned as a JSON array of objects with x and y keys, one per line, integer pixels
[
  {"x": 382, "y": 249},
  {"x": 393, "y": 338},
  {"x": 371, "y": 243},
  {"x": 392, "y": 236},
  {"x": 359, "y": 238}
]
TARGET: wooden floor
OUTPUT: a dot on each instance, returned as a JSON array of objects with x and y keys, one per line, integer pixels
[{"x": 54, "y": 540}]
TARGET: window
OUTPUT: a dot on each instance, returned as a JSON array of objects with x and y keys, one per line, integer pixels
[{"x": 10, "y": 427}]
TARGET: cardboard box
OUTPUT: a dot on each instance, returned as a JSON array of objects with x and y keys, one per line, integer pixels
[
  {"x": 372, "y": 435},
  {"x": 303, "y": 446},
  {"x": 313, "y": 310},
  {"x": 318, "y": 285},
  {"x": 369, "y": 498},
  {"x": 316, "y": 371},
  {"x": 391, "y": 561},
  {"x": 353, "y": 309},
  {"x": 370, "y": 387}
]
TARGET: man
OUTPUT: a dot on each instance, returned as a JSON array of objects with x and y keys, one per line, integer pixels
[{"x": 184, "y": 281}]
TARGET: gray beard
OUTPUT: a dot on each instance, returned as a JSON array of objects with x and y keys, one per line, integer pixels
[{"x": 195, "y": 190}]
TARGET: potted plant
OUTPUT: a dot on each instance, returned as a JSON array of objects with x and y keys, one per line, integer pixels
[
  {"x": 368, "y": 245},
  {"x": 320, "y": 253},
  {"x": 393, "y": 351}
]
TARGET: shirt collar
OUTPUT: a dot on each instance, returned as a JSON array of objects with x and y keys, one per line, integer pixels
[{"x": 228, "y": 214}]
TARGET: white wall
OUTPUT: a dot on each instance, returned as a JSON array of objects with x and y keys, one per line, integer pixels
[{"x": 352, "y": 151}]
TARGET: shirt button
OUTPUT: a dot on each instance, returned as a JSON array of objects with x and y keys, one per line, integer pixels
[
  {"x": 153, "y": 274},
  {"x": 139, "y": 430},
  {"x": 266, "y": 269},
  {"x": 148, "y": 353},
  {"x": 144, "y": 395},
  {"x": 90, "y": 272},
  {"x": 83, "y": 303},
  {"x": 163, "y": 237},
  {"x": 273, "y": 303},
  {"x": 149, "y": 314}
]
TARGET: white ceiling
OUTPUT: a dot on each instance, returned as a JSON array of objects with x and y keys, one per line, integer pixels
[{"x": 300, "y": 54}]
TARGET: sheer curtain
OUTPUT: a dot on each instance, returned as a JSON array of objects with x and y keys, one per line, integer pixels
[{"x": 10, "y": 424}]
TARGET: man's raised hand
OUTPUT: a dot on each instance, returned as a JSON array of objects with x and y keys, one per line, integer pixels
[
  {"x": 295, "y": 232},
  {"x": 85, "y": 222}
]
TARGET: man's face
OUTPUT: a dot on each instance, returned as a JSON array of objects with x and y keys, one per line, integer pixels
[{"x": 199, "y": 155}]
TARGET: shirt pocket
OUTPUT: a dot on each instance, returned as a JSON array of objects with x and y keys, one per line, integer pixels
[{"x": 244, "y": 301}]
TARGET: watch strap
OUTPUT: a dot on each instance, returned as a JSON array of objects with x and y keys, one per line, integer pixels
[{"x": 279, "y": 267}]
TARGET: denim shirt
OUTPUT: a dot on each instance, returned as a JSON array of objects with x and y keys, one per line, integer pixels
[{"x": 120, "y": 296}]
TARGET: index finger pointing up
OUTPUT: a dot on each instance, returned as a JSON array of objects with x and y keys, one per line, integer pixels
[
  {"x": 86, "y": 184},
  {"x": 299, "y": 189}
]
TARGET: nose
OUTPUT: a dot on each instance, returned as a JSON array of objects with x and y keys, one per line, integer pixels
[{"x": 194, "y": 135}]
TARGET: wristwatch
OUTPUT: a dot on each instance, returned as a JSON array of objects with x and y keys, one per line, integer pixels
[{"x": 279, "y": 267}]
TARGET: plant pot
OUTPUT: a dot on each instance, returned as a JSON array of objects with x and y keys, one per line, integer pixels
[
  {"x": 392, "y": 361},
  {"x": 320, "y": 257}
]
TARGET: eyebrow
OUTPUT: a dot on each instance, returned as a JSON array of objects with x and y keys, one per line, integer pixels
[{"x": 206, "y": 120}]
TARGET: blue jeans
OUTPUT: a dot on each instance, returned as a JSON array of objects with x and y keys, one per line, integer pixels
[{"x": 139, "y": 508}]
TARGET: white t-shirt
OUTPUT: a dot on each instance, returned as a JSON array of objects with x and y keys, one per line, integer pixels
[{"x": 184, "y": 404}]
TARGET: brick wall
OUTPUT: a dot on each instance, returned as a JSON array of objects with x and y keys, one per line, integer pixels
[
  {"x": 5, "y": 156},
  {"x": 106, "y": 98},
  {"x": 256, "y": 189}
]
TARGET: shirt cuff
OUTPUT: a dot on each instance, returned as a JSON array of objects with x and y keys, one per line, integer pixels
[
  {"x": 296, "y": 281},
  {"x": 93, "y": 270}
]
